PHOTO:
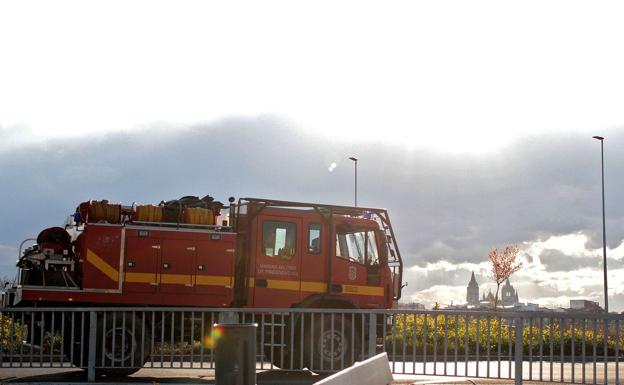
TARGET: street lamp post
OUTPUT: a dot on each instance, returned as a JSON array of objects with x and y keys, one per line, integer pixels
[
  {"x": 355, "y": 160},
  {"x": 604, "y": 233}
]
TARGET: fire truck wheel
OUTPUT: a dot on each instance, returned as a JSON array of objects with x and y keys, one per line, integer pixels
[
  {"x": 121, "y": 353},
  {"x": 332, "y": 346}
]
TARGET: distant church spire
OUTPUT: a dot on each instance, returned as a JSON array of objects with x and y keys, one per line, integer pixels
[{"x": 472, "y": 291}]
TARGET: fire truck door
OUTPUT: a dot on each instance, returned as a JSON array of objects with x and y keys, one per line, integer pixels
[
  {"x": 214, "y": 268},
  {"x": 314, "y": 259},
  {"x": 176, "y": 266},
  {"x": 277, "y": 261},
  {"x": 142, "y": 257}
]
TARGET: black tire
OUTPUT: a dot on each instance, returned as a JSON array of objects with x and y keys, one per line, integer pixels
[
  {"x": 318, "y": 352},
  {"x": 121, "y": 359},
  {"x": 133, "y": 358}
]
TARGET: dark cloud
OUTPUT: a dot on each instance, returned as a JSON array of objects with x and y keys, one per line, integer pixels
[
  {"x": 452, "y": 207},
  {"x": 555, "y": 260}
]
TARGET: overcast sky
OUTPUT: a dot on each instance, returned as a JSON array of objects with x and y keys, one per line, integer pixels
[{"x": 472, "y": 121}]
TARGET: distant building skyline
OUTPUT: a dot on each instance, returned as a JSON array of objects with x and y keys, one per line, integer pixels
[{"x": 509, "y": 295}]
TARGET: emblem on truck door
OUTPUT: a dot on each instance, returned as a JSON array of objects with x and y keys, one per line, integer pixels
[{"x": 352, "y": 273}]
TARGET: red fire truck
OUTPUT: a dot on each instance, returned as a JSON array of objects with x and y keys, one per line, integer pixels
[{"x": 256, "y": 253}]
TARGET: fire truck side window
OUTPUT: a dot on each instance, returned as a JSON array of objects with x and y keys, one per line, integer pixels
[
  {"x": 279, "y": 239},
  {"x": 314, "y": 238}
]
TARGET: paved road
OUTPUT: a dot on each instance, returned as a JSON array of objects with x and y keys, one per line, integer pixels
[{"x": 404, "y": 374}]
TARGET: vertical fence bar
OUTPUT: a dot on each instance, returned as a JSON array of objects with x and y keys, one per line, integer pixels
[
  {"x": 500, "y": 342},
  {"x": 52, "y": 337},
  {"x": 301, "y": 340},
  {"x": 617, "y": 351},
  {"x": 541, "y": 343},
  {"x": 518, "y": 351},
  {"x": 153, "y": 339},
  {"x": 142, "y": 356},
  {"x": 12, "y": 339},
  {"x": 552, "y": 349},
  {"x": 32, "y": 339},
  {"x": 445, "y": 341},
  {"x": 583, "y": 351},
  {"x": 606, "y": 347},
  {"x": 301, "y": 334},
  {"x": 123, "y": 338},
  {"x": 162, "y": 339},
  {"x": 82, "y": 337},
  {"x": 42, "y": 339},
  {"x": 192, "y": 339},
  {"x": 573, "y": 359},
  {"x": 273, "y": 339},
  {"x": 362, "y": 339},
  {"x": 22, "y": 330},
  {"x": 212, "y": 341},
  {"x": 353, "y": 329},
  {"x": 425, "y": 332},
  {"x": 282, "y": 344},
  {"x": 435, "y": 343},
  {"x": 132, "y": 348},
  {"x": 171, "y": 340},
  {"x": 291, "y": 354},
  {"x": 414, "y": 342},
  {"x": 455, "y": 364},
  {"x": 489, "y": 329},
  {"x": 594, "y": 358},
  {"x": 181, "y": 339},
  {"x": 62, "y": 340},
  {"x": 561, "y": 345},
  {"x": 331, "y": 347},
  {"x": 202, "y": 339},
  {"x": 510, "y": 330},
  {"x": 467, "y": 322},
  {"x": 103, "y": 338},
  {"x": 92, "y": 341},
  {"x": 478, "y": 338},
  {"x": 404, "y": 338},
  {"x": 113, "y": 346},
  {"x": 312, "y": 341},
  {"x": 394, "y": 316},
  {"x": 530, "y": 348}
]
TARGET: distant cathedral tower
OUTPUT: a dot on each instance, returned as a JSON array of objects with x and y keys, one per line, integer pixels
[
  {"x": 472, "y": 292},
  {"x": 509, "y": 295}
]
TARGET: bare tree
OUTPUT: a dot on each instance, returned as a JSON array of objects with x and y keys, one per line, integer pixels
[{"x": 503, "y": 265}]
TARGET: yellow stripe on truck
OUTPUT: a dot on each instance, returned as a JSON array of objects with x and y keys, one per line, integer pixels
[
  {"x": 214, "y": 280},
  {"x": 313, "y": 287},
  {"x": 321, "y": 287},
  {"x": 140, "y": 277},
  {"x": 375, "y": 291},
  {"x": 102, "y": 266},
  {"x": 176, "y": 279}
]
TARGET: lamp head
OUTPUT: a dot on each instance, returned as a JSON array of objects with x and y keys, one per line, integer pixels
[
  {"x": 598, "y": 137},
  {"x": 353, "y": 158}
]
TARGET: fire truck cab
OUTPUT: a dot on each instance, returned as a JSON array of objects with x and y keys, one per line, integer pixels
[{"x": 303, "y": 254}]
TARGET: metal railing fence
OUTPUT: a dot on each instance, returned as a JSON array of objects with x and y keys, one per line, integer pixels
[{"x": 535, "y": 346}]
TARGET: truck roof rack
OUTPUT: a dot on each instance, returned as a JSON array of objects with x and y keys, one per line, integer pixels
[{"x": 336, "y": 209}]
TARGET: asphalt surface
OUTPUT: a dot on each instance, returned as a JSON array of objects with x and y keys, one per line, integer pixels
[{"x": 532, "y": 373}]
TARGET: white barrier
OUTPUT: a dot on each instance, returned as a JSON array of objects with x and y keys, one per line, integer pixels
[{"x": 373, "y": 371}]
